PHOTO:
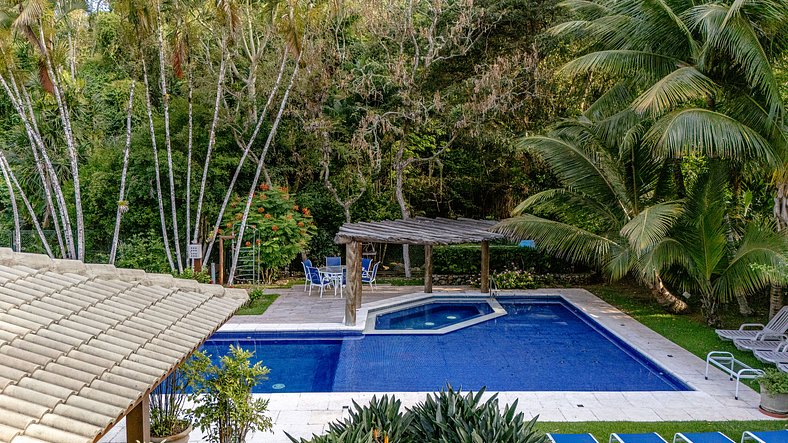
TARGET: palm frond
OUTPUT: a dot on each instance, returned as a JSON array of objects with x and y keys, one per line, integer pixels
[
  {"x": 586, "y": 8},
  {"x": 761, "y": 249},
  {"x": 619, "y": 262},
  {"x": 651, "y": 225},
  {"x": 623, "y": 63},
  {"x": 588, "y": 172},
  {"x": 677, "y": 88},
  {"x": 614, "y": 100},
  {"x": 569, "y": 242},
  {"x": 567, "y": 205},
  {"x": 711, "y": 133},
  {"x": 666, "y": 253}
]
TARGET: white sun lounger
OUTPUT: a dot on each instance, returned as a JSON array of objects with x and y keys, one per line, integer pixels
[
  {"x": 765, "y": 436},
  {"x": 783, "y": 367},
  {"x": 778, "y": 325},
  {"x": 779, "y": 355},
  {"x": 769, "y": 343}
]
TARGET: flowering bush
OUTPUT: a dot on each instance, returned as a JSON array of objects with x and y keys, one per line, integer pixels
[
  {"x": 515, "y": 280},
  {"x": 283, "y": 228}
]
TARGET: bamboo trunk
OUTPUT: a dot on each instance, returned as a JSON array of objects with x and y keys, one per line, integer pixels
[
  {"x": 29, "y": 207},
  {"x": 122, "y": 192},
  {"x": 14, "y": 208},
  {"x": 260, "y": 163},
  {"x": 248, "y": 147},
  {"x": 189, "y": 144},
  {"x": 164, "y": 235}
]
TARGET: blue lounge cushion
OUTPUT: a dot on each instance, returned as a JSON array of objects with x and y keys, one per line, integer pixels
[
  {"x": 767, "y": 436},
  {"x": 702, "y": 437},
  {"x": 572, "y": 438},
  {"x": 650, "y": 437}
]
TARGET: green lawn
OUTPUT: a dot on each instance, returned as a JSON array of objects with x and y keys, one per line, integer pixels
[
  {"x": 688, "y": 331},
  {"x": 401, "y": 281},
  {"x": 666, "y": 429},
  {"x": 258, "y": 306}
]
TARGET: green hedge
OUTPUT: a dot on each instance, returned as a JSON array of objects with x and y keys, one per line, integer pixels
[{"x": 467, "y": 259}]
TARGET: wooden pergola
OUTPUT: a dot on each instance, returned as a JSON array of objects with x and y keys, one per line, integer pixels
[{"x": 427, "y": 232}]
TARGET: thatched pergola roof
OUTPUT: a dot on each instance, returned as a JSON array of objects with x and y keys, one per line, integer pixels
[{"x": 419, "y": 231}]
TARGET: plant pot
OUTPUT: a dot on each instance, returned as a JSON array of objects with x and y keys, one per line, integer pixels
[
  {"x": 774, "y": 404},
  {"x": 181, "y": 437}
]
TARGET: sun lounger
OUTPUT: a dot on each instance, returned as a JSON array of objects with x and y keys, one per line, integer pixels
[
  {"x": 765, "y": 436},
  {"x": 778, "y": 325},
  {"x": 772, "y": 344},
  {"x": 702, "y": 437},
  {"x": 783, "y": 367},
  {"x": 780, "y": 355},
  {"x": 651, "y": 437},
  {"x": 735, "y": 369},
  {"x": 572, "y": 438}
]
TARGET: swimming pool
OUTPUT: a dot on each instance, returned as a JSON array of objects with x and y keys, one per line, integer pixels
[{"x": 541, "y": 344}]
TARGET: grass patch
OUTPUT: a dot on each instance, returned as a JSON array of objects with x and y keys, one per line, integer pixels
[
  {"x": 401, "y": 281},
  {"x": 603, "y": 429},
  {"x": 257, "y": 306},
  {"x": 688, "y": 331}
]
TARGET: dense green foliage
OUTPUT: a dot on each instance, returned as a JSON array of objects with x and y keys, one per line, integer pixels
[
  {"x": 667, "y": 429},
  {"x": 774, "y": 381},
  {"x": 467, "y": 260},
  {"x": 448, "y": 416}
]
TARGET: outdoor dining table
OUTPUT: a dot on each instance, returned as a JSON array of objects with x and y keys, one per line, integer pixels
[{"x": 334, "y": 273}]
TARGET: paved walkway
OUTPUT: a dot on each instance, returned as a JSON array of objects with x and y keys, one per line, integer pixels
[{"x": 305, "y": 414}]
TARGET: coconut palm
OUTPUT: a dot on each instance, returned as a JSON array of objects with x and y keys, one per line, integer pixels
[
  {"x": 700, "y": 71},
  {"x": 710, "y": 259},
  {"x": 606, "y": 213}
]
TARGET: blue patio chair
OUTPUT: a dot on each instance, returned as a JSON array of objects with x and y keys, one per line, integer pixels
[
  {"x": 572, "y": 438},
  {"x": 365, "y": 263},
  {"x": 650, "y": 437},
  {"x": 370, "y": 276},
  {"x": 333, "y": 261},
  {"x": 317, "y": 279},
  {"x": 702, "y": 437},
  {"x": 765, "y": 436},
  {"x": 306, "y": 264}
]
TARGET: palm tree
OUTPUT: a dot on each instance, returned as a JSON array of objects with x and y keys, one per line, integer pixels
[
  {"x": 606, "y": 213},
  {"x": 709, "y": 258},
  {"x": 701, "y": 72}
]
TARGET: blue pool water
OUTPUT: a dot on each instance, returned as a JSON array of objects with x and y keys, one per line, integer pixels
[
  {"x": 432, "y": 315},
  {"x": 542, "y": 344}
]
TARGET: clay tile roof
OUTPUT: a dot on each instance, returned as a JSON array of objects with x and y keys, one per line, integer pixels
[{"x": 80, "y": 345}]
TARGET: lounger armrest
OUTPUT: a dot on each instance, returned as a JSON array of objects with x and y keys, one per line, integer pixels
[
  {"x": 751, "y": 325},
  {"x": 770, "y": 334}
]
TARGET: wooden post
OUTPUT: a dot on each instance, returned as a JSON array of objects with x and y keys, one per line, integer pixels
[
  {"x": 221, "y": 260},
  {"x": 138, "y": 422},
  {"x": 485, "y": 283},
  {"x": 428, "y": 269},
  {"x": 352, "y": 290}
]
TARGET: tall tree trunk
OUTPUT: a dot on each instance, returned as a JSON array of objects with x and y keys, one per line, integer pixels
[
  {"x": 33, "y": 137},
  {"x": 403, "y": 206},
  {"x": 159, "y": 198},
  {"x": 122, "y": 205},
  {"x": 72, "y": 149},
  {"x": 167, "y": 140},
  {"x": 189, "y": 144},
  {"x": 780, "y": 210},
  {"x": 245, "y": 154},
  {"x": 29, "y": 207},
  {"x": 775, "y": 300},
  {"x": 211, "y": 138},
  {"x": 666, "y": 299},
  {"x": 711, "y": 312},
  {"x": 260, "y": 163},
  {"x": 14, "y": 208}
]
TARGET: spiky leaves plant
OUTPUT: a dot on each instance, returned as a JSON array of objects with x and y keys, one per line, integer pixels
[
  {"x": 710, "y": 261},
  {"x": 606, "y": 214}
]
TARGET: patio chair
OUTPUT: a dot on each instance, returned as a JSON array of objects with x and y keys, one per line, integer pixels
[
  {"x": 333, "y": 261},
  {"x": 702, "y": 437},
  {"x": 754, "y": 331},
  {"x": 370, "y": 276},
  {"x": 572, "y": 438},
  {"x": 765, "y": 436},
  {"x": 306, "y": 264},
  {"x": 365, "y": 264},
  {"x": 777, "y": 356},
  {"x": 317, "y": 279},
  {"x": 650, "y": 437}
]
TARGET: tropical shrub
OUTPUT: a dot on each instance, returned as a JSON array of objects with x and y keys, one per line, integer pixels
[
  {"x": 189, "y": 274},
  {"x": 515, "y": 280},
  {"x": 467, "y": 259},
  {"x": 143, "y": 251},
  {"x": 222, "y": 393},
  {"x": 278, "y": 226},
  {"x": 774, "y": 381},
  {"x": 167, "y": 409}
]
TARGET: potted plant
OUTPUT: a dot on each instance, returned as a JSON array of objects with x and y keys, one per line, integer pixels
[
  {"x": 224, "y": 408},
  {"x": 168, "y": 421},
  {"x": 774, "y": 392}
]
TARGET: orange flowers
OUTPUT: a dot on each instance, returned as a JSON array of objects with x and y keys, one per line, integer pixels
[
  {"x": 264, "y": 187},
  {"x": 261, "y": 209},
  {"x": 268, "y": 216},
  {"x": 300, "y": 224},
  {"x": 305, "y": 211},
  {"x": 248, "y": 244},
  {"x": 295, "y": 207},
  {"x": 274, "y": 228},
  {"x": 258, "y": 241}
]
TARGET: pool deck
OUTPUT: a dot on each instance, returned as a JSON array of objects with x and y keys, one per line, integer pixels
[{"x": 305, "y": 414}]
